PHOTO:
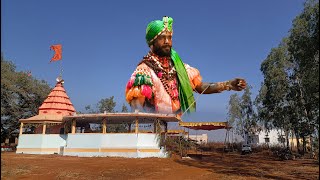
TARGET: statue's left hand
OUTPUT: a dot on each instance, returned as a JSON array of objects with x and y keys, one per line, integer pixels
[{"x": 238, "y": 84}]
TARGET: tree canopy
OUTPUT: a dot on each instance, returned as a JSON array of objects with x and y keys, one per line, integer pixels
[
  {"x": 289, "y": 96},
  {"x": 242, "y": 115},
  {"x": 21, "y": 96}
]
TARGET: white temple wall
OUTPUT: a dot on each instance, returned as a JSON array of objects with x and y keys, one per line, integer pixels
[
  {"x": 148, "y": 141},
  {"x": 40, "y": 143},
  {"x": 114, "y": 144},
  {"x": 117, "y": 140},
  {"x": 92, "y": 144}
]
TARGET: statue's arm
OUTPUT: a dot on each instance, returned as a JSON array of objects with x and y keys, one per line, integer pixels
[
  {"x": 209, "y": 88},
  {"x": 236, "y": 84}
]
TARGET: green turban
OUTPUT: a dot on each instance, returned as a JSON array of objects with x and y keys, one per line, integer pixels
[{"x": 154, "y": 29}]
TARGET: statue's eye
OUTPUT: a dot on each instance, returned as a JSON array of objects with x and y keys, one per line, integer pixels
[{"x": 162, "y": 38}]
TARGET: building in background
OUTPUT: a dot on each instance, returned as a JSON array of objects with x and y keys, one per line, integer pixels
[{"x": 200, "y": 139}]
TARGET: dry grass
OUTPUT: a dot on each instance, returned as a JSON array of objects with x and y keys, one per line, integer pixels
[
  {"x": 16, "y": 171},
  {"x": 68, "y": 175}
]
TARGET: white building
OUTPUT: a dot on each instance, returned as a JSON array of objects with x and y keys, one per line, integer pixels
[
  {"x": 273, "y": 137},
  {"x": 201, "y": 139}
]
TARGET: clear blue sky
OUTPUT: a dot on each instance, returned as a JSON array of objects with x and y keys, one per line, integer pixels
[{"x": 104, "y": 40}]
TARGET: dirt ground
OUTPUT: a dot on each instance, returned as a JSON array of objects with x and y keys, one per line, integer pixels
[{"x": 214, "y": 166}]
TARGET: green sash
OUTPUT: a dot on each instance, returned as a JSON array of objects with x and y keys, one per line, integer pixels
[{"x": 185, "y": 91}]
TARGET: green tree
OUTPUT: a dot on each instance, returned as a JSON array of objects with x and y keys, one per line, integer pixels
[
  {"x": 107, "y": 105},
  {"x": 304, "y": 46},
  {"x": 289, "y": 96},
  {"x": 248, "y": 114},
  {"x": 263, "y": 115},
  {"x": 234, "y": 114},
  {"x": 242, "y": 115},
  {"x": 275, "y": 108},
  {"x": 124, "y": 108},
  {"x": 104, "y": 105},
  {"x": 21, "y": 96}
]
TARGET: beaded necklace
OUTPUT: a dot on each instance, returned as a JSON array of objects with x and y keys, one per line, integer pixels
[{"x": 166, "y": 72}]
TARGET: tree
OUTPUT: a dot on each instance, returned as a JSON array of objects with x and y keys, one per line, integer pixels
[
  {"x": 21, "y": 96},
  {"x": 289, "y": 96},
  {"x": 124, "y": 108},
  {"x": 106, "y": 105},
  {"x": 248, "y": 114},
  {"x": 242, "y": 115},
  {"x": 275, "y": 107},
  {"x": 263, "y": 115},
  {"x": 234, "y": 114},
  {"x": 304, "y": 46}
]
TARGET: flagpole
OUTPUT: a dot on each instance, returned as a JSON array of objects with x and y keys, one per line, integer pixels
[
  {"x": 61, "y": 68},
  {"x": 57, "y": 56},
  {"x": 61, "y": 65}
]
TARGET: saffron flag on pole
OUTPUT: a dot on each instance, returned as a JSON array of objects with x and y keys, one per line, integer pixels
[{"x": 58, "y": 52}]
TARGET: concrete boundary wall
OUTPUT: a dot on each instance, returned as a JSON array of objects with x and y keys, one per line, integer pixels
[
  {"x": 114, "y": 144},
  {"x": 129, "y": 145},
  {"x": 41, "y": 143}
]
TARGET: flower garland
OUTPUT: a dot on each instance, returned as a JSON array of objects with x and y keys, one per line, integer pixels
[{"x": 167, "y": 75}]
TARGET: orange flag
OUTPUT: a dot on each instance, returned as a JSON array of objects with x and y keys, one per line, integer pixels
[{"x": 58, "y": 52}]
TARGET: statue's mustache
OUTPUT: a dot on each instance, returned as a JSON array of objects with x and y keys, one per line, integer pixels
[{"x": 166, "y": 46}]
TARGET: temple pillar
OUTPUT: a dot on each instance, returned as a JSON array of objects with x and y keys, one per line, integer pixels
[
  {"x": 155, "y": 127},
  {"x": 21, "y": 128},
  {"x": 44, "y": 127},
  {"x": 129, "y": 127},
  {"x": 64, "y": 129},
  {"x": 73, "y": 126},
  {"x": 104, "y": 126},
  {"x": 137, "y": 125},
  {"x": 165, "y": 127}
]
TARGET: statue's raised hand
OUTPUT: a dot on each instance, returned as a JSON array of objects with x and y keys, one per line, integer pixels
[{"x": 238, "y": 84}]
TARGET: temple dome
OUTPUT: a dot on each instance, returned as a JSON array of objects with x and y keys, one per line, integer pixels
[{"x": 57, "y": 102}]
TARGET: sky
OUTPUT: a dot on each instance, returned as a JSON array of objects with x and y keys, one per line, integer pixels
[{"x": 103, "y": 41}]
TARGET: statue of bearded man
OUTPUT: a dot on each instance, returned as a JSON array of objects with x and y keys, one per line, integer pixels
[{"x": 162, "y": 83}]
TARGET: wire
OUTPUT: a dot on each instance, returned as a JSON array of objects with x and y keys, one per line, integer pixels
[{"x": 196, "y": 99}]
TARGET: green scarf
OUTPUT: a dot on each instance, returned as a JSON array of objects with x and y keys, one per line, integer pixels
[{"x": 185, "y": 91}]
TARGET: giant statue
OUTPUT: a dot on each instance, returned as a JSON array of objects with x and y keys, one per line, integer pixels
[{"x": 162, "y": 82}]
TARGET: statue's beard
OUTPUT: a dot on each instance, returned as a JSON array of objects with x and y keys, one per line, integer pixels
[{"x": 162, "y": 51}]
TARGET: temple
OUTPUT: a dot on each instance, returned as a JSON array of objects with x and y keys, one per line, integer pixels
[{"x": 58, "y": 129}]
